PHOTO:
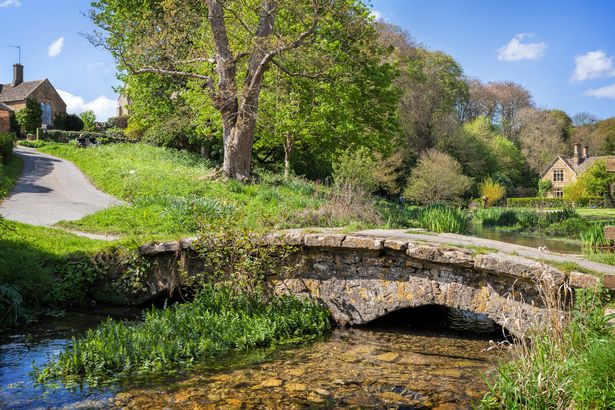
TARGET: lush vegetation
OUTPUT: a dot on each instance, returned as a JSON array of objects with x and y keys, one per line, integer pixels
[
  {"x": 41, "y": 268},
  {"x": 216, "y": 321},
  {"x": 7, "y": 141},
  {"x": 567, "y": 365},
  {"x": 9, "y": 174},
  {"x": 29, "y": 118},
  {"x": 171, "y": 192}
]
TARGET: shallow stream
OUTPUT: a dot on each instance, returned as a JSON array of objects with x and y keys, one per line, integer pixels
[{"x": 392, "y": 364}]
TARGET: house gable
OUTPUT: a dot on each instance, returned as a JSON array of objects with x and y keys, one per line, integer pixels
[{"x": 558, "y": 162}]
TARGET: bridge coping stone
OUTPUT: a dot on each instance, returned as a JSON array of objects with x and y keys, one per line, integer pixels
[{"x": 434, "y": 253}]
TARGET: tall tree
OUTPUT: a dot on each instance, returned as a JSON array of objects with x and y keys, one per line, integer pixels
[
  {"x": 29, "y": 118},
  {"x": 225, "y": 47}
]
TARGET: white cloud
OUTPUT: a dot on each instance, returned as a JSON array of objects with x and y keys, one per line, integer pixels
[
  {"x": 102, "y": 106},
  {"x": 55, "y": 48},
  {"x": 517, "y": 50},
  {"x": 603, "y": 92},
  {"x": 9, "y": 3},
  {"x": 594, "y": 64}
]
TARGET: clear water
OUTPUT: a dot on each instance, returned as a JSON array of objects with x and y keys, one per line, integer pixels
[
  {"x": 554, "y": 245},
  {"x": 407, "y": 360}
]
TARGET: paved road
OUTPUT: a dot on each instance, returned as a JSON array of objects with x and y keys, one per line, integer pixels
[
  {"x": 504, "y": 247},
  {"x": 52, "y": 190}
]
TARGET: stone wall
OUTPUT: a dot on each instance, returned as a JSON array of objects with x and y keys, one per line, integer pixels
[{"x": 361, "y": 278}]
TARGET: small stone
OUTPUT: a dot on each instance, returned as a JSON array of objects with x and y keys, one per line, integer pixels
[
  {"x": 315, "y": 398},
  {"x": 296, "y": 386},
  {"x": 322, "y": 392},
  {"x": 392, "y": 397},
  {"x": 272, "y": 383},
  {"x": 296, "y": 372},
  {"x": 349, "y": 357},
  {"x": 387, "y": 357}
]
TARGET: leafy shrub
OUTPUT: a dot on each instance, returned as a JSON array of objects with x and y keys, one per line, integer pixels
[
  {"x": 66, "y": 136},
  {"x": 355, "y": 167},
  {"x": 7, "y": 142},
  {"x": 506, "y": 217},
  {"x": 570, "y": 228},
  {"x": 544, "y": 186},
  {"x": 118, "y": 122},
  {"x": 442, "y": 218},
  {"x": 492, "y": 190},
  {"x": 551, "y": 217},
  {"x": 73, "y": 122}
]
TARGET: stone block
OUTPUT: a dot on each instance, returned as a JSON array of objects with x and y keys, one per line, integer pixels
[
  {"x": 324, "y": 240},
  {"x": 363, "y": 242},
  {"x": 159, "y": 248},
  {"x": 583, "y": 280},
  {"x": 396, "y": 244}
]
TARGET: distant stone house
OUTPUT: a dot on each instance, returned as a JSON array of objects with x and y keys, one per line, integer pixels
[
  {"x": 565, "y": 170},
  {"x": 5, "y": 118},
  {"x": 15, "y": 94}
]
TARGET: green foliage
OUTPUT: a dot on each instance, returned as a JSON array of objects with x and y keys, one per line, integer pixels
[
  {"x": 45, "y": 266},
  {"x": 594, "y": 236},
  {"x": 356, "y": 167},
  {"x": 442, "y": 218},
  {"x": 217, "y": 321},
  {"x": 544, "y": 187},
  {"x": 492, "y": 190},
  {"x": 566, "y": 366},
  {"x": 437, "y": 177},
  {"x": 66, "y": 136},
  {"x": 9, "y": 174},
  {"x": 169, "y": 191},
  {"x": 73, "y": 122},
  {"x": 89, "y": 120},
  {"x": 540, "y": 202},
  {"x": 597, "y": 181},
  {"x": 29, "y": 118},
  {"x": 7, "y": 142},
  {"x": 118, "y": 122}
]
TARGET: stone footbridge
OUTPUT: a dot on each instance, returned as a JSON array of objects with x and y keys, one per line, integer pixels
[{"x": 361, "y": 277}]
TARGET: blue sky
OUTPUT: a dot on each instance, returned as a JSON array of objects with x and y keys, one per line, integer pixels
[{"x": 562, "y": 51}]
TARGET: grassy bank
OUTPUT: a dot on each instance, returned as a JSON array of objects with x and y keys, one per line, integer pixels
[
  {"x": 566, "y": 365},
  {"x": 41, "y": 268},
  {"x": 169, "y": 192},
  {"x": 216, "y": 322},
  {"x": 9, "y": 174}
]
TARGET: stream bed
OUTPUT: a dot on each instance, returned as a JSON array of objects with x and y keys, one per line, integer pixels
[{"x": 382, "y": 366}]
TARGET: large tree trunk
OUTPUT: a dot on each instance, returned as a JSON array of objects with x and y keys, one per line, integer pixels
[
  {"x": 238, "y": 148},
  {"x": 289, "y": 144}
]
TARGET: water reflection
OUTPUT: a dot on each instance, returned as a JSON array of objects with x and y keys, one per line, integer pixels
[{"x": 554, "y": 245}]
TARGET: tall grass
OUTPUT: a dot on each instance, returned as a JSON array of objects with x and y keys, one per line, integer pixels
[
  {"x": 566, "y": 363},
  {"x": 218, "y": 320},
  {"x": 442, "y": 218},
  {"x": 594, "y": 236}
]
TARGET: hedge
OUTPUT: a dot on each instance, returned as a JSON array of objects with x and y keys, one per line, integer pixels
[
  {"x": 539, "y": 202},
  {"x": 66, "y": 136},
  {"x": 7, "y": 142}
]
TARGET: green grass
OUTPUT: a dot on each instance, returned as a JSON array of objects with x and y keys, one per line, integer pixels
[
  {"x": 40, "y": 266},
  {"x": 441, "y": 218},
  {"x": 216, "y": 322},
  {"x": 566, "y": 365},
  {"x": 170, "y": 192},
  {"x": 9, "y": 174}
]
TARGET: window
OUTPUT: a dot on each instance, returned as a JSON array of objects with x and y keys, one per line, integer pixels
[
  {"x": 47, "y": 113},
  {"x": 558, "y": 175},
  {"x": 558, "y": 192}
]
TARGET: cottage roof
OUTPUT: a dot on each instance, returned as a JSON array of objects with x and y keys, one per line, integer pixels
[
  {"x": 4, "y": 107},
  {"x": 582, "y": 167},
  {"x": 19, "y": 92}
]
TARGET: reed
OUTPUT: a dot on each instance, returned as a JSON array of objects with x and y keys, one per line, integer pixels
[{"x": 442, "y": 218}]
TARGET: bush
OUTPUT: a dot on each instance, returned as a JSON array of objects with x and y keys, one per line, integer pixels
[
  {"x": 355, "y": 167},
  {"x": 571, "y": 228},
  {"x": 437, "y": 178},
  {"x": 118, "y": 122},
  {"x": 66, "y": 136},
  {"x": 73, "y": 123},
  {"x": 7, "y": 142},
  {"x": 539, "y": 202},
  {"x": 594, "y": 236},
  {"x": 492, "y": 190},
  {"x": 506, "y": 217}
]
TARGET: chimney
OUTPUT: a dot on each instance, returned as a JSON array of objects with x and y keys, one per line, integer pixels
[
  {"x": 576, "y": 156},
  {"x": 17, "y": 74},
  {"x": 585, "y": 154}
]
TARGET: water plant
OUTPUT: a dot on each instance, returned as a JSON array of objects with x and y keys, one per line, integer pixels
[
  {"x": 442, "y": 218},
  {"x": 594, "y": 236},
  {"x": 216, "y": 321}
]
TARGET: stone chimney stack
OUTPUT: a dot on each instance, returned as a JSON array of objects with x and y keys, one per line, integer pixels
[
  {"x": 17, "y": 74},
  {"x": 576, "y": 156},
  {"x": 585, "y": 154}
]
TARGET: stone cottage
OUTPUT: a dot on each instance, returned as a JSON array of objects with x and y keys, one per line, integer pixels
[
  {"x": 15, "y": 94},
  {"x": 565, "y": 170}
]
